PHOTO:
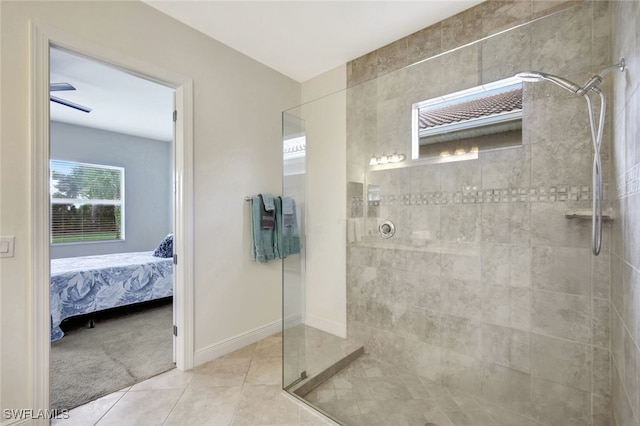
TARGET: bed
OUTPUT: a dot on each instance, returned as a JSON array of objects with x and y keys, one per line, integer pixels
[{"x": 82, "y": 285}]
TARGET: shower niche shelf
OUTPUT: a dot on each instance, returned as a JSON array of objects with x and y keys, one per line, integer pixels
[{"x": 607, "y": 216}]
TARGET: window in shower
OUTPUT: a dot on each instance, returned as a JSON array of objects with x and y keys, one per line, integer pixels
[{"x": 459, "y": 125}]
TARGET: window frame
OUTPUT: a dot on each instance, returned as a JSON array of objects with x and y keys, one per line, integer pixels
[
  {"x": 451, "y": 98},
  {"x": 84, "y": 201}
]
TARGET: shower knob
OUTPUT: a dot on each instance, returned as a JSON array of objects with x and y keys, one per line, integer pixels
[{"x": 387, "y": 229}]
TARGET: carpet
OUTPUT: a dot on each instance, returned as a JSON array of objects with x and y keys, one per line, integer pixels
[{"x": 126, "y": 346}]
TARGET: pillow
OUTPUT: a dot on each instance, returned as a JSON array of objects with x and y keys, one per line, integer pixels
[{"x": 165, "y": 249}]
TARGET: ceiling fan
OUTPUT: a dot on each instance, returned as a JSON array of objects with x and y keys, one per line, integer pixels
[{"x": 57, "y": 87}]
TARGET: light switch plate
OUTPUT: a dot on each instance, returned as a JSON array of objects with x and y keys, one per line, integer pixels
[{"x": 6, "y": 246}]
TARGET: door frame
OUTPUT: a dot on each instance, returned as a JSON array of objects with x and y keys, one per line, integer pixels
[{"x": 42, "y": 38}]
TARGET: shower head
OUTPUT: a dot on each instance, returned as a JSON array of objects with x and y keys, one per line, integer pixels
[
  {"x": 533, "y": 76},
  {"x": 590, "y": 85},
  {"x": 530, "y": 76}
]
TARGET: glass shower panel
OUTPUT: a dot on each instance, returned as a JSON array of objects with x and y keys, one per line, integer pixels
[
  {"x": 314, "y": 286},
  {"x": 293, "y": 266},
  {"x": 484, "y": 306}
]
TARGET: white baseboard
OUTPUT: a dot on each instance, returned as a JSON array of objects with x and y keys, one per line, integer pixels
[
  {"x": 329, "y": 326},
  {"x": 293, "y": 320},
  {"x": 234, "y": 343}
]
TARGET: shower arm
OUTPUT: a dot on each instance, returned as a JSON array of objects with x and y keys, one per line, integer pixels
[
  {"x": 620, "y": 66},
  {"x": 594, "y": 81}
]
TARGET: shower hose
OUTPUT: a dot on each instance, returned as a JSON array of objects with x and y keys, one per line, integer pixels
[{"x": 596, "y": 137}]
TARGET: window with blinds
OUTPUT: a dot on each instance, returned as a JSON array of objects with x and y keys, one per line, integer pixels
[{"x": 87, "y": 202}]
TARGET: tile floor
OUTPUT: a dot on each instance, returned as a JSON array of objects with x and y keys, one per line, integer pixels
[
  {"x": 241, "y": 388},
  {"x": 370, "y": 392}
]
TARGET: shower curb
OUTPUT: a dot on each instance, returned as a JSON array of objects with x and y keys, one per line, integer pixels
[{"x": 303, "y": 388}]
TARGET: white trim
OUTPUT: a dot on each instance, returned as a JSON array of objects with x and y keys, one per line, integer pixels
[
  {"x": 39, "y": 212},
  {"x": 415, "y": 128},
  {"x": 332, "y": 327},
  {"x": 94, "y": 165},
  {"x": 83, "y": 201},
  {"x": 292, "y": 321},
  {"x": 237, "y": 342},
  {"x": 183, "y": 227},
  {"x": 42, "y": 38}
]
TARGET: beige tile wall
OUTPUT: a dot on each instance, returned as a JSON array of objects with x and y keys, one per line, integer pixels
[
  {"x": 488, "y": 18},
  {"x": 625, "y": 248},
  {"x": 486, "y": 286}
]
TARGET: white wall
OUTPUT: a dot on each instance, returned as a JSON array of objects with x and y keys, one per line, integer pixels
[
  {"x": 325, "y": 120},
  {"x": 148, "y": 184},
  {"x": 328, "y": 83},
  {"x": 237, "y": 152}
]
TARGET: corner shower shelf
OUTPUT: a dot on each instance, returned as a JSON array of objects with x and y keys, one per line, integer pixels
[{"x": 586, "y": 214}]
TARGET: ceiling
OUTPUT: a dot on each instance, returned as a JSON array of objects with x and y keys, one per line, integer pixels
[
  {"x": 300, "y": 39},
  {"x": 120, "y": 102}
]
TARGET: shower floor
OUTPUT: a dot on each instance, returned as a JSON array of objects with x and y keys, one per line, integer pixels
[{"x": 370, "y": 392}]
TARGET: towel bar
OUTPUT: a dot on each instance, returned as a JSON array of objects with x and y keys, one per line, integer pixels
[{"x": 247, "y": 198}]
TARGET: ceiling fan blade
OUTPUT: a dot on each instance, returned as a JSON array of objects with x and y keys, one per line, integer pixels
[
  {"x": 56, "y": 87},
  {"x": 69, "y": 104}
]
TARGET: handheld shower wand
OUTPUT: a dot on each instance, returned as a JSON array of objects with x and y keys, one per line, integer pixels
[
  {"x": 596, "y": 135},
  {"x": 591, "y": 84},
  {"x": 535, "y": 76}
]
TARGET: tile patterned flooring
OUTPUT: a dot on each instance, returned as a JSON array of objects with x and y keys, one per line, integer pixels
[
  {"x": 370, "y": 392},
  {"x": 244, "y": 388},
  {"x": 241, "y": 388}
]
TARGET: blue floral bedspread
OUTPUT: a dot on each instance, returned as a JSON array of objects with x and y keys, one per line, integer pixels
[{"x": 81, "y": 285}]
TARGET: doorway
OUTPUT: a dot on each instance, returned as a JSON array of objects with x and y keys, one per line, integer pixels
[
  {"x": 182, "y": 183},
  {"x": 111, "y": 167}
]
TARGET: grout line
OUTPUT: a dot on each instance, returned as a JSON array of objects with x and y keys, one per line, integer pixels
[
  {"x": 529, "y": 331},
  {"x": 626, "y": 396},
  {"x": 175, "y": 404},
  {"x": 109, "y": 409},
  {"x": 624, "y": 325},
  {"x": 615, "y": 369},
  {"x": 244, "y": 380}
]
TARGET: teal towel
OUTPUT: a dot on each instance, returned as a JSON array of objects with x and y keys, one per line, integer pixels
[
  {"x": 288, "y": 205},
  {"x": 287, "y": 223},
  {"x": 277, "y": 247},
  {"x": 264, "y": 244},
  {"x": 268, "y": 220},
  {"x": 269, "y": 203}
]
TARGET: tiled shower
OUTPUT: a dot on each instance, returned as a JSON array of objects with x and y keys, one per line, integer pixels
[{"x": 486, "y": 306}]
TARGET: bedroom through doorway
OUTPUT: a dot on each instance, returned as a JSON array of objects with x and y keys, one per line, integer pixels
[{"x": 112, "y": 211}]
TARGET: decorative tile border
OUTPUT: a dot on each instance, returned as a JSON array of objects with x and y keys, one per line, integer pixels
[
  {"x": 629, "y": 183},
  {"x": 560, "y": 193}
]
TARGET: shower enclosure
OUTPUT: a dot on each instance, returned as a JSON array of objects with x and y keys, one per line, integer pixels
[{"x": 446, "y": 275}]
